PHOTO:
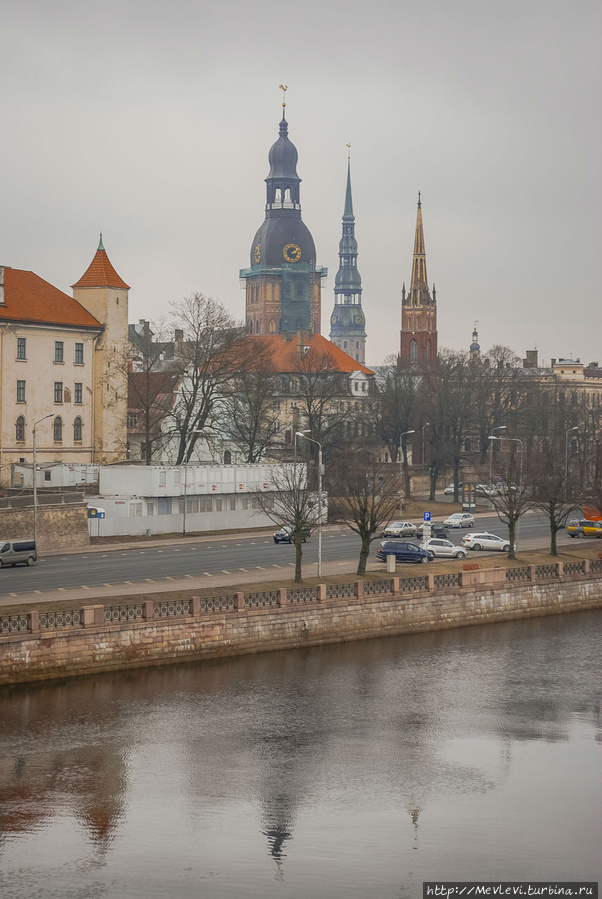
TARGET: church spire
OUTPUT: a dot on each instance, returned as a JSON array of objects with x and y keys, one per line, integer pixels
[
  {"x": 348, "y": 323},
  {"x": 418, "y": 308}
]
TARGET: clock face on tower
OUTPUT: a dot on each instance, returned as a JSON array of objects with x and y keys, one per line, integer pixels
[
  {"x": 257, "y": 253},
  {"x": 291, "y": 252}
]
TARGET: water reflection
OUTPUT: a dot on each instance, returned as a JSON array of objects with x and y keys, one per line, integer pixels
[{"x": 353, "y": 770}]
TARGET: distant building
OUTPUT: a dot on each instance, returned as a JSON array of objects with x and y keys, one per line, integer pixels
[
  {"x": 418, "y": 345},
  {"x": 283, "y": 284},
  {"x": 347, "y": 322}
]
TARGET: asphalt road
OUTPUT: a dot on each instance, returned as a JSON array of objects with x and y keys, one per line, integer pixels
[{"x": 206, "y": 561}]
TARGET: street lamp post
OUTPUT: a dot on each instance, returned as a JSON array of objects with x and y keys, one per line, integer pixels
[
  {"x": 191, "y": 434},
  {"x": 35, "y": 477},
  {"x": 566, "y": 456},
  {"x": 520, "y": 475},
  {"x": 498, "y": 428},
  {"x": 319, "y": 445},
  {"x": 401, "y": 436},
  {"x": 426, "y": 425}
]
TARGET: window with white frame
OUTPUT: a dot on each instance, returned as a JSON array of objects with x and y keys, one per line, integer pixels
[
  {"x": 79, "y": 354},
  {"x": 58, "y": 391},
  {"x": 59, "y": 351},
  {"x": 20, "y": 391},
  {"x": 78, "y": 393},
  {"x": 21, "y": 348}
]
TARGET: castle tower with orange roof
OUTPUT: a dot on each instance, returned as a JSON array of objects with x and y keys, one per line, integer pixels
[{"x": 104, "y": 294}]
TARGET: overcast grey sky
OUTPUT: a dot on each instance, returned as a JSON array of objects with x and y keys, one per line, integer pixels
[{"x": 152, "y": 122}]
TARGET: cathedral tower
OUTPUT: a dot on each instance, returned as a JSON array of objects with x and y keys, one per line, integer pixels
[
  {"x": 347, "y": 322},
  {"x": 283, "y": 285},
  {"x": 418, "y": 309}
]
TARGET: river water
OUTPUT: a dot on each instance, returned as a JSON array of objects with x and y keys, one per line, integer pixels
[{"x": 351, "y": 771}]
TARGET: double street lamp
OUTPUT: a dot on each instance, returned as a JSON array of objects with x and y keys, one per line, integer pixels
[
  {"x": 401, "y": 436},
  {"x": 35, "y": 477},
  {"x": 319, "y": 445}
]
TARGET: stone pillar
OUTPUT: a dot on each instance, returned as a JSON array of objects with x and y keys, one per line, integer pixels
[
  {"x": 531, "y": 572},
  {"x": 34, "y": 622},
  {"x": 148, "y": 609},
  {"x": 359, "y": 589},
  {"x": 93, "y": 615},
  {"x": 239, "y": 602},
  {"x": 282, "y": 597},
  {"x": 195, "y": 606},
  {"x": 321, "y": 592}
]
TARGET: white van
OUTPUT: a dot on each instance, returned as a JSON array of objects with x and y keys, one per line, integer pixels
[{"x": 13, "y": 552}]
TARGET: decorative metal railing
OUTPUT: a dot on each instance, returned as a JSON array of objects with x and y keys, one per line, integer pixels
[
  {"x": 172, "y": 608},
  {"x": 218, "y": 604},
  {"x": 267, "y": 600},
  {"x": 550, "y": 570},
  {"x": 12, "y": 624},
  {"x": 413, "y": 584},
  {"x": 378, "y": 588},
  {"x": 302, "y": 595},
  {"x": 595, "y": 565},
  {"x": 124, "y": 613},
  {"x": 340, "y": 591},
  {"x": 574, "y": 568},
  {"x": 60, "y": 618},
  {"x": 447, "y": 580},
  {"x": 517, "y": 574}
]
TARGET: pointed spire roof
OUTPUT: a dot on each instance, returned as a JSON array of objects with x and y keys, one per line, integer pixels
[
  {"x": 100, "y": 272},
  {"x": 419, "y": 278},
  {"x": 348, "y": 213}
]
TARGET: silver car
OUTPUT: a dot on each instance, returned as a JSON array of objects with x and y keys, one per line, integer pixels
[
  {"x": 459, "y": 520},
  {"x": 444, "y": 549},
  {"x": 400, "y": 529}
]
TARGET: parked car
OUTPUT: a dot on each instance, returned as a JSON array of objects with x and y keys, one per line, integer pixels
[
  {"x": 14, "y": 552},
  {"x": 403, "y": 551},
  {"x": 483, "y": 540},
  {"x": 444, "y": 549},
  {"x": 459, "y": 520},
  {"x": 486, "y": 490},
  {"x": 450, "y": 489},
  {"x": 400, "y": 529},
  {"x": 286, "y": 534},
  {"x": 437, "y": 530},
  {"x": 584, "y": 528}
]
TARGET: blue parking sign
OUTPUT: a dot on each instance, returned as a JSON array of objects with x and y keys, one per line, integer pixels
[{"x": 427, "y": 516}]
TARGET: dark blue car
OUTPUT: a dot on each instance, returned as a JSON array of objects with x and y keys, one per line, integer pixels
[{"x": 403, "y": 552}]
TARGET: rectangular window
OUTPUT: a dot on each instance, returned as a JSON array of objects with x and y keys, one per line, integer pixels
[
  {"x": 20, "y": 391},
  {"x": 233, "y": 504},
  {"x": 218, "y": 505},
  {"x": 59, "y": 349},
  {"x": 79, "y": 354},
  {"x": 58, "y": 391},
  {"x": 132, "y": 419},
  {"x": 78, "y": 393},
  {"x": 21, "y": 348}
]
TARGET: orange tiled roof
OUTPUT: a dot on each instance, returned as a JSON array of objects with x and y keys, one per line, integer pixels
[
  {"x": 28, "y": 298},
  {"x": 285, "y": 354},
  {"x": 100, "y": 273}
]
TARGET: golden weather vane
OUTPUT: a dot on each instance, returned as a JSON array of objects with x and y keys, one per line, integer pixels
[
  {"x": 283, "y": 88},
  {"x": 348, "y": 151}
]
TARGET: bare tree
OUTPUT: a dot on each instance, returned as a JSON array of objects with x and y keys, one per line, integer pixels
[
  {"x": 514, "y": 498},
  {"x": 364, "y": 498},
  {"x": 324, "y": 397},
  {"x": 291, "y": 503},
  {"x": 203, "y": 358},
  {"x": 251, "y": 419},
  {"x": 398, "y": 410}
]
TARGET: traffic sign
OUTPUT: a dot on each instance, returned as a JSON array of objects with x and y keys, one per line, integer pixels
[{"x": 427, "y": 516}]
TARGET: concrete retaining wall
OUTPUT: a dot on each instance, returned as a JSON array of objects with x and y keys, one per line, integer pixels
[{"x": 192, "y": 630}]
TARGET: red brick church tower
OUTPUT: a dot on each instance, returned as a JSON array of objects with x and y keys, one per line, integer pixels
[{"x": 418, "y": 310}]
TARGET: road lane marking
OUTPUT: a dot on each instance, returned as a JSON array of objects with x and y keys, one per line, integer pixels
[
  {"x": 149, "y": 580},
  {"x": 208, "y": 573},
  {"x": 243, "y": 569},
  {"x": 189, "y": 576},
  {"x": 261, "y": 568},
  {"x": 224, "y": 571},
  {"x": 104, "y": 585}
]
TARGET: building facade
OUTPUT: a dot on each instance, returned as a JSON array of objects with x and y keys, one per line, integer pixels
[
  {"x": 61, "y": 370},
  {"x": 418, "y": 345},
  {"x": 283, "y": 284},
  {"x": 347, "y": 322}
]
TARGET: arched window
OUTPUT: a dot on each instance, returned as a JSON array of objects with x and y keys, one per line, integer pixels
[
  {"x": 77, "y": 429},
  {"x": 257, "y": 327},
  {"x": 20, "y": 428},
  {"x": 413, "y": 351},
  {"x": 227, "y": 458},
  {"x": 58, "y": 428},
  {"x": 272, "y": 327}
]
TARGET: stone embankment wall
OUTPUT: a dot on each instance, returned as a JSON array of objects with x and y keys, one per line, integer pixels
[
  {"x": 59, "y": 525},
  {"x": 51, "y": 644}
]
